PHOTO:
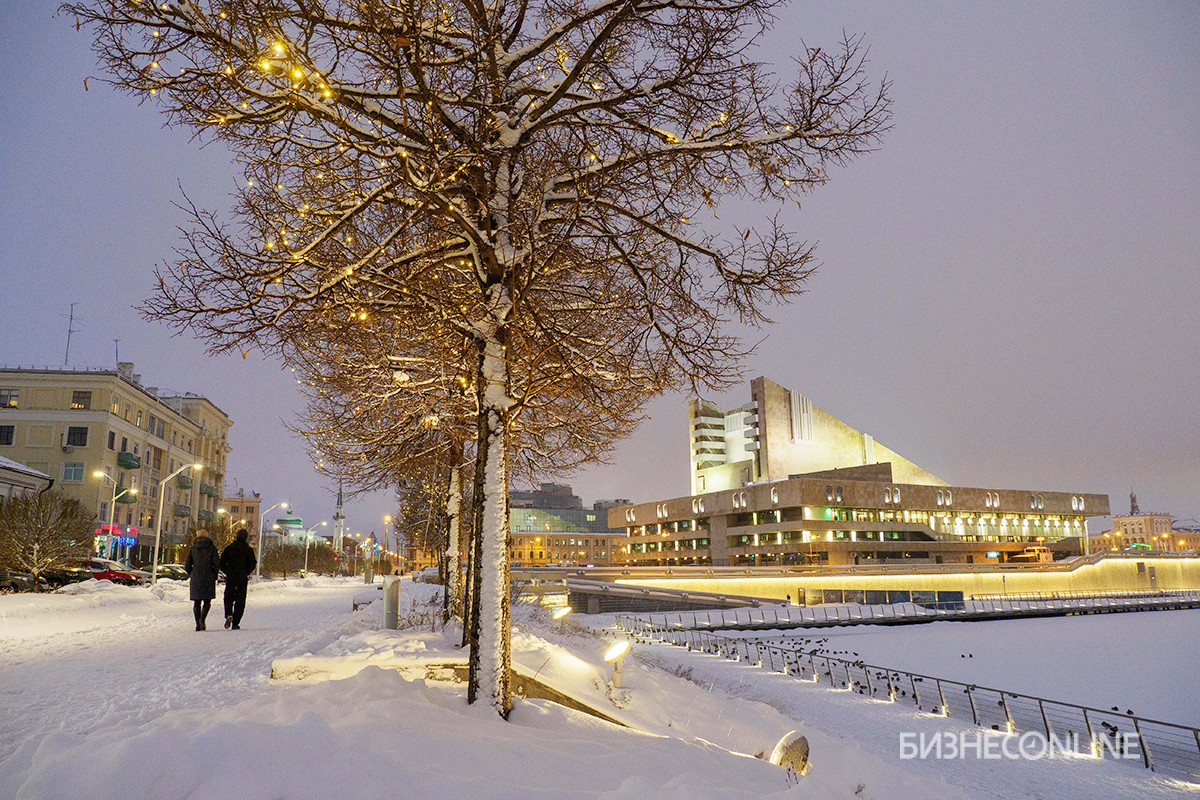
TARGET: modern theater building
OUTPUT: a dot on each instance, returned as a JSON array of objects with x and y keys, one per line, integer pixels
[{"x": 779, "y": 481}]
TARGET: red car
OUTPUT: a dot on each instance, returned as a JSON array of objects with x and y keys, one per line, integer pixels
[{"x": 102, "y": 569}]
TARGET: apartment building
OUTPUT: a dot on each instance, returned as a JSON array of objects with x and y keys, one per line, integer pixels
[{"x": 114, "y": 444}]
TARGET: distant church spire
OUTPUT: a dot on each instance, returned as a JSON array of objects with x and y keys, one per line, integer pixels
[
  {"x": 339, "y": 523},
  {"x": 1134, "y": 511}
]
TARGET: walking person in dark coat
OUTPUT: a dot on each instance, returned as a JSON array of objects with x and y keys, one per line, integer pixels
[
  {"x": 202, "y": 566},
  {"x": 237, "y": 562}
]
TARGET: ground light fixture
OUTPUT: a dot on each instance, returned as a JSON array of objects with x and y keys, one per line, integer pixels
[
  {"x": 616, "y": 656},
  {"x": 561, "y": 615}
]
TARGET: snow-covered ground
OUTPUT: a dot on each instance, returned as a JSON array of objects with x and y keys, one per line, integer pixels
[
  {"x": 1145, "y": 662},
  {"x": 109, "y": 693}
]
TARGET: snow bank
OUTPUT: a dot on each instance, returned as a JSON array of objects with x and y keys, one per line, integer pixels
[{"x": 376, "y": 735}]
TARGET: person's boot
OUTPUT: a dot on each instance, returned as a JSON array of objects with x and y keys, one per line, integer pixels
[
  {"x": 199, "y": 622},
  {"x": 228, "y": 621}
]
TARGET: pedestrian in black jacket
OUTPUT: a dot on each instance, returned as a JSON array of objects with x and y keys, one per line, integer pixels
[
  {"x": 202, "y": 566},
  {"x": 237, "y": 562}
]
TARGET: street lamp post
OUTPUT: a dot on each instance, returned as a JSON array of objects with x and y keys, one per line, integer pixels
[
  {"x": 307, "y": 536},
  {"x": 162, "y": 495},
  {"x": 261, "y": 518},
  {"x": 112, "y": 508},
  {"x": 387, "y": 520}
]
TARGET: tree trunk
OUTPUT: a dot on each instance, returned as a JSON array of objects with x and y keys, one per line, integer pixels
[
  {"x": 491, "y": 645},
  {"x": 454, "y": 509}
]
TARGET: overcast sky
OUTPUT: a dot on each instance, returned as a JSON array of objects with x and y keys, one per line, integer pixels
[{"x": 1008, "y": 292}]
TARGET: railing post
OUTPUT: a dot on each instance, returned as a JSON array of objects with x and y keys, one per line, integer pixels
[
  {"x": 891, "y": 687},
  {"x": 974, "y": 711},
  {"x": 942, "y": 698},
  {"x": 867, "y": 674},
  {"x": 1145, "y": 747},
  {"x": 1091, "y": 734},
  {"x": 813, "y": 663},
  {"x": 1007, "y": 716},
  {"x": 1045, "y": 719},
  {"x": 912, "y": 680},
  {"x": 849, "y": 680}
]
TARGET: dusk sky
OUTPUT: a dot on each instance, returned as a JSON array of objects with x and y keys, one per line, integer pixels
[{"x": 1008, "y": 292}]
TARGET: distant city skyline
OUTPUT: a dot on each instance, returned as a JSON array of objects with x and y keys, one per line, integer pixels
[{"x": 1007, "y": 291}]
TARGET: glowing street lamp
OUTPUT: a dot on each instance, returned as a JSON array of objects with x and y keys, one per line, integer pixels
[
  {"x": 307, "y": 536},
  {"x": 261, "y": 517},
  {"x": 112, "y": 508},
  {"x": 162, "y": 494}
]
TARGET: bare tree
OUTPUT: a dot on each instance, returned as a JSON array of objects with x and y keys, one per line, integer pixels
[
  {"x": 539, "y": 175},
  {"x": 42, "y": 531}
]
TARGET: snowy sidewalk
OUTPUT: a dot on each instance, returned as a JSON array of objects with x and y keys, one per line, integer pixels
[{"x": 118, "y": 656}]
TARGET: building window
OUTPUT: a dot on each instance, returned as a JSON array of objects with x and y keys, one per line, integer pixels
[
  {"x": 829, "y": 493},
  {"x": 939, "y": 497},
  {"x": 8, "y": 398},
  {"x": 887, "y": 496},
  {"x": 949, "y": 498},
  {"x": 839, "y": 494},
  {"x": 81, "y": 401},
  {"x": 7, "y": 434},
  {"x": 77, "y": 436},
  {"x": 112, "y": 440},
  {"x": 73, "y": 472}
]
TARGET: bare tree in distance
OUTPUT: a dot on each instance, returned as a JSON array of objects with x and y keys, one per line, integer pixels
[
  {"x": 534, "y": 174},
  {"x": 39, "y": 532}
]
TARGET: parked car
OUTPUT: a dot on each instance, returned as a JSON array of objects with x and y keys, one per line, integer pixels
[
  {"x": 61, "y": 576},
  {"x": 104, "y": 569},
  {"x": 141, "y": 575},
  {"x": 11, "y": 581},
  {"x": 174, "y": 572}
]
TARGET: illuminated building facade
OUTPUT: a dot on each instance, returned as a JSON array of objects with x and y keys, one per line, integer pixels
[{"x": 844, "y": 500}]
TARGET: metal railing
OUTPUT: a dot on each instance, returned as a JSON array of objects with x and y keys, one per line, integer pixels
[
  {"x": 1165, "y": 748},
  {"x": 826, "y": 615},
  {"x": 1083, "y": 593}
]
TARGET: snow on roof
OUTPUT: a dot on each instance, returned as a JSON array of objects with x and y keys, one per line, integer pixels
[{"x": 17, "y": 466}]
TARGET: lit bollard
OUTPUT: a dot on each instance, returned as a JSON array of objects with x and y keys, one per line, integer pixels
[
  {"x": 792, "y": 754},
  {"x": 616, "y": 656},
  {"x": 390, "y": 616},
  {"x": 561, "y": 616}
]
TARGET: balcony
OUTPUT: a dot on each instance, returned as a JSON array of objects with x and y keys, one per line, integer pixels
[
  {"x": 183, "y": 481},
  {"x": 182, "y": 510},
  {"x": 127, "y": 499},
  {"x": 204, "y": 515},
  {"x": 127, "y": 460},
  {"x": 208, "y": 491}
]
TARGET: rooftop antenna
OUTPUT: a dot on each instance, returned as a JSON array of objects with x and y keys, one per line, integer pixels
[
  {"x": 117, "y": 349},
  {"x": 70, "y": 329}
]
